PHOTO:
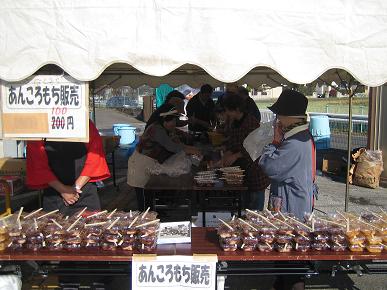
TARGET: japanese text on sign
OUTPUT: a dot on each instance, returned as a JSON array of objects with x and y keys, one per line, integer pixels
[
  {"x": 43, "y": 96},
  {"x": 45, "y": 106},
  {"x": 176, "y": 272}
]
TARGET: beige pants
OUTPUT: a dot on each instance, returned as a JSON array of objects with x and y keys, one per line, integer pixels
[{"x": 138, "y": 165}]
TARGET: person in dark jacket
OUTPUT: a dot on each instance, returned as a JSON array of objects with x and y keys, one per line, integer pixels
[
  {"x": 158, "y": 142},
  {"x": 200, "y": 110},
  {"x": 174, "y": 98},
  {"x": 251, "y": 105},
  {"x": 242, "y": 123}
]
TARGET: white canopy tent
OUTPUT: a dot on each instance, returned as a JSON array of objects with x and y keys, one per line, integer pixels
[
  {"x": 120, "y": 42},
  {"x": 299, "y": 40}
]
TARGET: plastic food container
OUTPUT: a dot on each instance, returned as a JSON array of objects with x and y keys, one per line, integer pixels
[
  {"x": 127, "y": 246},
  {"x": 147, "y": 247},
  {"x": 107, "y": 246},
  {"x": 284, "y": 248},
  {"x": 368, "y": 231},
  {"x": 265, "y": 247},
  {"x": 302, "y": 239},
  {"x": 250, "y": 240},
  {"x": 374, "y": 248},
  {"x": 338, "y": 238},
  {"x": 229, "y": 247},
  {"x": 304, "y": 247},
  {"x": 355, "y": 231},
  {"x": 356, "y": 247},
  {"x": 321, "y": 237},
  {"x": 339, "y": 247},
  {"x": 248, "y": 247},
  {"x": 283, "y": 239},
  {"x": 374, "y": 240},
  {"x": 319, "y": 246},
  {"x": 357, "y": 240},
  {"x": 267, "y": 235}
]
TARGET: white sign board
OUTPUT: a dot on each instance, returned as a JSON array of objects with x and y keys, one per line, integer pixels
[
  {"x": 45, "y": 106},
  {"x": 174, "y": 272}
]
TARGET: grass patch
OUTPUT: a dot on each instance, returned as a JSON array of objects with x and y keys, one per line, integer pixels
[{"x": 330, "y": 105}]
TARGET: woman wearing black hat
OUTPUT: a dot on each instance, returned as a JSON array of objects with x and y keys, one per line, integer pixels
[
  {"x": 157, "y": 144},
  {"x": 289, "y": 159}
]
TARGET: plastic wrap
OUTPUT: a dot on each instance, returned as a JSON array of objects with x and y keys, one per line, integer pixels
[{"x": 176, "y": 165}]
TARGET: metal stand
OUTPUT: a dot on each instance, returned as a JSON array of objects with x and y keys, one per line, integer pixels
[{"x": 348, "y": 153}]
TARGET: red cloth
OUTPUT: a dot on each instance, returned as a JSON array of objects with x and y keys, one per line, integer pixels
[{"x": 39, "y": 173}]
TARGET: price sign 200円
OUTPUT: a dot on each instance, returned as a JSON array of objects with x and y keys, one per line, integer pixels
[{"x": 45, "y": 106}]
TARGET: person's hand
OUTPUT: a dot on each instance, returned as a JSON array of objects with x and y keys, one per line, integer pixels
[
  {"x": 191, "y": 150},
  {"x": 229, "y": 159},
  {"x": 69, "y": 194},
  {"x": 278, "y": 133}
]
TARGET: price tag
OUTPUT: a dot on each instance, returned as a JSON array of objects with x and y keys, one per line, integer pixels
[
  {"x": 45, "y": 106},
  {"x": 174, "y": 272}
]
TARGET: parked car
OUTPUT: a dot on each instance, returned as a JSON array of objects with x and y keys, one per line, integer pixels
[{"x": 120, "y": 102}]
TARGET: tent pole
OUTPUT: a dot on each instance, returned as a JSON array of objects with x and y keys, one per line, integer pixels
[
  {"x": 349, "y": 148},
  {"x": 93, "y": 95},
  {"x": 94, "y": 110}
]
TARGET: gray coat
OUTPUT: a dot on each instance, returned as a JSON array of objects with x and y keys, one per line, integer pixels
[{"x": 289, "y": 167}]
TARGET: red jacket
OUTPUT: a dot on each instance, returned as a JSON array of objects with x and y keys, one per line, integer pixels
[{"x": 39, "y": 173}]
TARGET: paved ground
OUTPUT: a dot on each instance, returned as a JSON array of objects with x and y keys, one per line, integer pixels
[
  {"x": 332, "y": 189},
  {"x": 331, "y": 198},
  {"x": 332, "y": 193}
]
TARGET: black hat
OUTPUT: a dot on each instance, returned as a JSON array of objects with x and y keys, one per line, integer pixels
[{"x": 290, "y": 103}]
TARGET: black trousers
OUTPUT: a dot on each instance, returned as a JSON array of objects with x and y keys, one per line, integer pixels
[
  {"x": 140, "y": 196},
  {"x": 52, "y": 200}
]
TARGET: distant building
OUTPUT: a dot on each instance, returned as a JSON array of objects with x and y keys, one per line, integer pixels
[{"x": 265, "y": 93}]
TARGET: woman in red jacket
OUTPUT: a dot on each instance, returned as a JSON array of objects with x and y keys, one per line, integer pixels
[{"x": 67, "y": 172}]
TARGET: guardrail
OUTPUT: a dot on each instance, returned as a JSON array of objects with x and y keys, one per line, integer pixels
[{"x": 338, "y": 124}]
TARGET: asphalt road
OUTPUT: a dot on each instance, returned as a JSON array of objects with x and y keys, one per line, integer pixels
[
  {"x": 332, "y": 195},
  {"x": 332, "y": 188}
]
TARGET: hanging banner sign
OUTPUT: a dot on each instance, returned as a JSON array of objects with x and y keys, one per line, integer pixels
[
  {"x": 174, "y": 272},
  {"x": 45, "y": 106}
]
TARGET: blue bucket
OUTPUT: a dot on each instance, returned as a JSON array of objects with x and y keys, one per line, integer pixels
[
  {"x": 116, "y": 126},
  {"x": 132, "y": 148},
  {"x": 126, "y": 132},
  {"x": 319, "y": 128}
]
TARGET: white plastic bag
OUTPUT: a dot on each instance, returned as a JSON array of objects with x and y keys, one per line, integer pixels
[
  {"x": 175, "y": 165},
  {"x": 257, "y": 139},
  {"x": 10, "y": 282}
]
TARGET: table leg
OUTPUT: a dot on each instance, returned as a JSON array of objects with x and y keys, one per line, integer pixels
[
  {"x": 240, "y": 204},
  {"x": 202, "y": 203},
  {"x": 194, "y": 202},
  {"x": 114, "y": 169},
  {"x": 149, "y": 199}
]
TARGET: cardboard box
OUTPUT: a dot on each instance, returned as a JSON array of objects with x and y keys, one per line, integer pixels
[
  {"x": 110, "y": 143},
  {"x": 12, "y": 166},
  {"x": 16, "y": 184},
  {"x": 333, "y": 164}
]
